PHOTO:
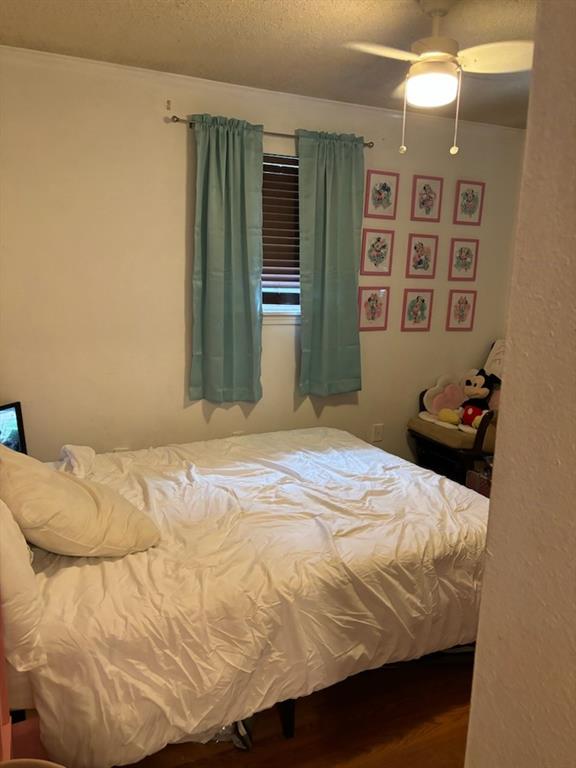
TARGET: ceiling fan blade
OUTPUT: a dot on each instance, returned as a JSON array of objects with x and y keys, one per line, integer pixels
[
  {"x": 498, "y": 58},
  {"x": 383, "y": 50}
]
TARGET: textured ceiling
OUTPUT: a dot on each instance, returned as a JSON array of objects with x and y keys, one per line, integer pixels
[{"x": 282, "y": 45}]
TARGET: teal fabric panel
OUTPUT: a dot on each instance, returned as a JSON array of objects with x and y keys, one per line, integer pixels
[
  {"x": 331, "y": 179},
  {"x": 227, "y": 271}
]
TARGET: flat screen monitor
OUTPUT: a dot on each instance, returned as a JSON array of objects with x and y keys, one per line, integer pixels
[{"x": 12, "y": 427}]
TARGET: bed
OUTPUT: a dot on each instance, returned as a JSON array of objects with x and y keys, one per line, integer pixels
[{"x": 288, "y": 561}]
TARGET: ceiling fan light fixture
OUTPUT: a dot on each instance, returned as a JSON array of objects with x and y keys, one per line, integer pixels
[{"x": 432, "y": 83}]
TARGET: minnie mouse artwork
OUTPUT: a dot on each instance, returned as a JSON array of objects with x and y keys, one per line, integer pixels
[
  {"x": 426, "y": 198},
  {"x": 376, "y": 252},
  {"x": 417, "y": 309},
  {"x": 461, "y": 310},
  {"x": 421, "y": 257},
  {"x": 463, "y": 259},
  {"x": 373, "y": 308},
  {"x": 469, "y": 202},
  {"x": 381, "y": 194}
]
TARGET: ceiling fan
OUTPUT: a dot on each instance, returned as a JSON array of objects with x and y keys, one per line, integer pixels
[{"x": 437, "y": 62}]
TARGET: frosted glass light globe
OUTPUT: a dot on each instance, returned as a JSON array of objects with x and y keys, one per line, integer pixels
[{"x": 432, "y": 84}]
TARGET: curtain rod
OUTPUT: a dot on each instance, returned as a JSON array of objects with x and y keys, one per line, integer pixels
[{"x": 176, "y": 119}]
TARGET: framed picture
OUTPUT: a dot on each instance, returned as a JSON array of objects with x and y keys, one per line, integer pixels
[
  {"x": 381, "y": 197},
  {"x": 461, "y": 309},
  {"x": 417, "y": 309},
  {"x": 469, "y": 202},
  {"x": 426, "y": 198},
  {"x": 377, "y": 248},
  {"x": 421, "y": 256},
  {"x": 373, "y": 305},
  {"x": 463, "y": 258}
]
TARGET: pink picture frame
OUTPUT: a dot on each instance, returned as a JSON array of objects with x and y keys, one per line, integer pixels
[
  {"x": 461, "y": 310},
  {"x": 468, "y": 211},
  {"x": 373, "y": 305},
  {"x": 381, "y": 194},
  {"x": 377, "y": 252},
  {"x": 426, "y": 203},
  {"x": 421, "y": 256},
  {"x": 417, "y": 309},
  {"x": 463, "y": 259}
]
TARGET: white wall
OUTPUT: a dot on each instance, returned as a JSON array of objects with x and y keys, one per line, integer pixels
[
  {"x": 524, "y": 694},
  {"x": 94, "y": 271}
]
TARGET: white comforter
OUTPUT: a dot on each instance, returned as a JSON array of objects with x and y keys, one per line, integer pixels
[{"x": 288, "y": 561}]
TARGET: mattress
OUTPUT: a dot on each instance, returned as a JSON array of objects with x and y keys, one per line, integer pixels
[{"x": 288, "y": 561}]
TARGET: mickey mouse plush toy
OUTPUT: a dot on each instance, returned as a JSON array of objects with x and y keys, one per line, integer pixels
[{"x": 478, "y": 386}]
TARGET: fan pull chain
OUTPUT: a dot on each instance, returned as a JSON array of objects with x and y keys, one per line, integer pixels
[
  {"x": 403, "y": 148},
  {"x": 454, "y": 149}
]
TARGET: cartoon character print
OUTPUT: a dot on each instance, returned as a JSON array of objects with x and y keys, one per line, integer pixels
[
  {"x": 373, "y": 307},
  {"x": 461, "y": 310},
  {"x": 469, "y": 201},
  {"x": 421, "y": 256},
  {"x": 426, "y": 199},
  {"x": 464, "y": 259},
  {"x": 417, "y": 310},
  {"x": 378, "y": 251},
  {"x": 382, "y": 195}
]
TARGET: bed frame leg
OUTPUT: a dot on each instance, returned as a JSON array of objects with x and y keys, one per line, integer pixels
[{"x": 287, "y": 712}]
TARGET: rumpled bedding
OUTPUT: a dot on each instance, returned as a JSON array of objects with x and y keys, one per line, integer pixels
[{"x": 288, "y": 561}]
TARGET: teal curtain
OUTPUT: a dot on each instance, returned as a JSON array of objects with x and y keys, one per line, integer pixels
[
  {"x": 331, "y": 178},
  {"x": 226, "y": 290}
]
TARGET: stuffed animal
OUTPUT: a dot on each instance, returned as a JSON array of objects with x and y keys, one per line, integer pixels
[
  {"x": 459, "y": 403},
  {"x": 442, "y": 402},
  {"x": 472, "y": 416},
  {"x": 478, "y": 386},
  {"x": 449, "y": 416},
  {"x": 448, "y": 392}
]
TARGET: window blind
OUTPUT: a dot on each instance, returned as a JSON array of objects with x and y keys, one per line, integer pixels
[{"x": 280, "y": 233}]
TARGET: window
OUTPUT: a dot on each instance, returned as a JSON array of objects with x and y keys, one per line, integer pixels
[{"x": 281, "y": 235}]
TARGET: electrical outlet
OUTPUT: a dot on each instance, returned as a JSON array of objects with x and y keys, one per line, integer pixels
[{"x": 377, "y": 433}]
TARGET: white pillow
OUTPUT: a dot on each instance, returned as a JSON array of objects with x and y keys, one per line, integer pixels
[
  {"x": 77, "y": 459},
  {"x": 68, "y": 515},
  {"x": 20, "y": 602}
]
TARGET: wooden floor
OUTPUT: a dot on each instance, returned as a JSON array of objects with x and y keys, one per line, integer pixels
[{"x": 411, "y": 715}]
